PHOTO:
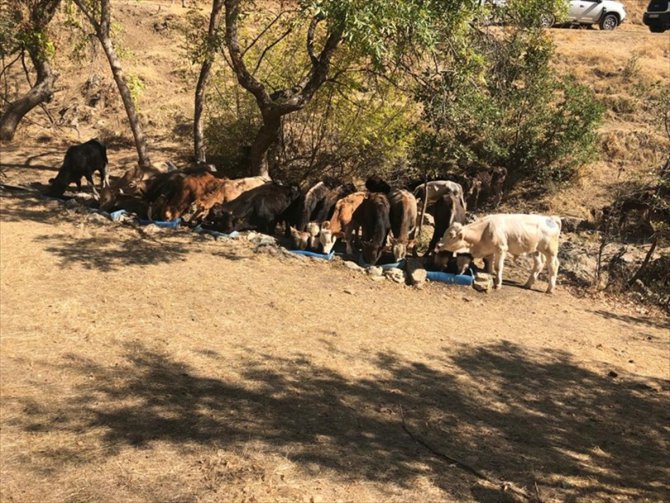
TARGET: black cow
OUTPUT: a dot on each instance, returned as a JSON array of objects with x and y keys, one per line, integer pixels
[
  {"x": 375, "y": 183},
  {"x": 448, "y": 209},
  {"x": 261, "y": 208},
  {"x": 317, "y": 204},
  {"x": 81, "y": 161},
  {"x": 373, "y": 216}
]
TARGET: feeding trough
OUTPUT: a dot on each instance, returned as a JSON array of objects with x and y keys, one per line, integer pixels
[
  {"x": 451, "y": 279},
  {"x": 216, "y": 234},
  {"x": 306, "y": 253},
  {"x": 165, "y": 224}
]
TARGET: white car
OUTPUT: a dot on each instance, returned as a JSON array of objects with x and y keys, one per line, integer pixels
[{"x": 608, "y": 14}]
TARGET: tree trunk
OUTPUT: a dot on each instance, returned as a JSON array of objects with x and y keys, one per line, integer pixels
[
  {"x": 40, "y": 15},
  {"x": 102, "y": 28},
  {"x": 198, "y": 134},
  {"x": 201, "y": 86},
  {"x": 41, "y": 92},
  {"x": 266, "y": 136},
  {"x": 126, "y": 97}
]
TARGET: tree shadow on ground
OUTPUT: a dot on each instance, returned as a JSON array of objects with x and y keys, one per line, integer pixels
[
  {"x": 525, "y": 417},
  {"x": 634, "y": 320}
]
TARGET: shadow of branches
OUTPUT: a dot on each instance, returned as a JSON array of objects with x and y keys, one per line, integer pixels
[{"x": 526, "y": 417}]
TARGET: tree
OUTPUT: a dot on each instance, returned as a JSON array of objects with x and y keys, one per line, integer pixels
[
  {"x": 100, "y": 17},
  {"x": 376, "y": 31},
  {"x": 200, "y": 88},
  {"x": 32, "y": 18}
]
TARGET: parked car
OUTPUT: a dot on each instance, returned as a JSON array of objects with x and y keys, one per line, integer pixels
[
  {"x": 608, "y": 14},
  {"x": 657, "y": 16}
]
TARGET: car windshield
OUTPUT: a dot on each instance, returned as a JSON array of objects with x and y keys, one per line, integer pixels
[{"x": 658, "y": 6}]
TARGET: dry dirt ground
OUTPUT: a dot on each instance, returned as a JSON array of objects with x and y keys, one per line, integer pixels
[{"x": 168, "y": 367}]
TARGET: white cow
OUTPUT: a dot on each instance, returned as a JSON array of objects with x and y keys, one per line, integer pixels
[
  {"x": 495, "y": 236},
  {"x": 437, "y": 188}
]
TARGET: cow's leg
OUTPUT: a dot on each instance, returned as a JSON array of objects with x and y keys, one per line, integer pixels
[
  {"x": 89, "y": 179},
  {"x": 499, "y": 259},
  {"x": 538, "y": 264},
  {"x": 104, "y": 176},
  {"x": 553, "y": 264},
  {"x": 348, "y": 237}
]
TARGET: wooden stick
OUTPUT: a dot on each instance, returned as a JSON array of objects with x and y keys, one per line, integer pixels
[{"x": 504, "y": 485}]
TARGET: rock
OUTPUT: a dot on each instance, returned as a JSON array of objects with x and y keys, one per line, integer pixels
[
  {"x": 483, "y": 282},
  {"x": 98, "y": 218},
  {"x": 72, "y": 203},
  {"x": 378, "y": 278},
  {"x": 352, "y": 265},
  {"x": 267, "y": 240},
  {"x": 349, "y": 291},
  {"x": 416, "y": 271},
  {"x": 612, "y": 374},
  {"x": 395, "y": 274},
  {"x": 374, "y": 270},
  {"x": 150, "y": 230}
]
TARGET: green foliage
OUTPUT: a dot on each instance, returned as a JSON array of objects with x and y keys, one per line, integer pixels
[
  {"x": 135, "y": 86},
  {"x": 500, "y": 103}
]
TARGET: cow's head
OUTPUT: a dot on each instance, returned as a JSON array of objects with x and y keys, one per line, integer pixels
[
  {"x": 300, "y": 240},
  {"x": 399, "y": 249},
  {"x": 326, "y": 238},
  {"x": 453, "y": 239},
  {"x": 58, "y": 185},
  {"x": 371, "y": 252}
]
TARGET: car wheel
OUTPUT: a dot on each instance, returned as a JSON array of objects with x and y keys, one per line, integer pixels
[
  {"x": 609, "y": 22},
  {"x": 547, "y": 20}
]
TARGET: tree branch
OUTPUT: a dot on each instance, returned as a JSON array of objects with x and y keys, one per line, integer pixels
[
  {"x": 268, "y": 48},
  {"x": 245, "y": 79}
]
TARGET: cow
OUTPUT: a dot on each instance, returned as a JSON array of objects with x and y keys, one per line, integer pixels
[
  {"x": 317, "y": 204},
  {"x": 81, "y": 161},
  {"x": 487, "y": 184},
  {"x": 308, "y": 239},
  {"x": 454, "y": 263},
  {"x": 436, "y": 189},
  {"x": 260, "y": 208},
  {"x": 373, "y": 216},
  {"x": 341, "y": 223},
  {"x": 403, "y": 220},
  {"x": 191, "y": 196},
  {"x": 517, "y": 234},
  {"x": 375, "y": 183},
  {"x": 448, "y": 209}
]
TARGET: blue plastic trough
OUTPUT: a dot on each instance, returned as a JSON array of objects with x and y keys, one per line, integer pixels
[
  {"x": 323, "y": 256},
  {"x": 451, "y": 279}
]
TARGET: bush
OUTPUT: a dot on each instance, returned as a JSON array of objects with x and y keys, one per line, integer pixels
[{"x": 501, "y": 104}]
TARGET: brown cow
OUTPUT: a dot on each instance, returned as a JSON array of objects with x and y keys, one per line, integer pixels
[
  {"x": 340, "y": 224},
  {"x": 403, "y": 220},
  {"x": 194, "y": 195}
]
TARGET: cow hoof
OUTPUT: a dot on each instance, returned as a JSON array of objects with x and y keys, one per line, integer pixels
[
  {"x": 527, "y": 286},
  {"x": 497, "y": 286}
]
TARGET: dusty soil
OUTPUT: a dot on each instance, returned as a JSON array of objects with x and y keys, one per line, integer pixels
[{"x": 169, "y": 367}]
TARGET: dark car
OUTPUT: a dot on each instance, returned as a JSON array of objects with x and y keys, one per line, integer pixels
[{"x": 657, "y": 16}]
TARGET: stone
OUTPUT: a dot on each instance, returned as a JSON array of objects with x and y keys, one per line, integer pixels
[
  {"x": 352, "y": 265},
  {"x": 483, "y": 282},
  {"x": 395, "y": 274},
  {"x": 98, "y": 218},
  {"x": 374, "y": 270}
]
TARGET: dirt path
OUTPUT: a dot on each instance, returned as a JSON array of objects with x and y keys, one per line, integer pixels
[{"x": 173, "y": 368}]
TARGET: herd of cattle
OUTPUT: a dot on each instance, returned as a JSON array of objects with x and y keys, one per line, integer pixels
[{"x": 370, "y": 221}]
